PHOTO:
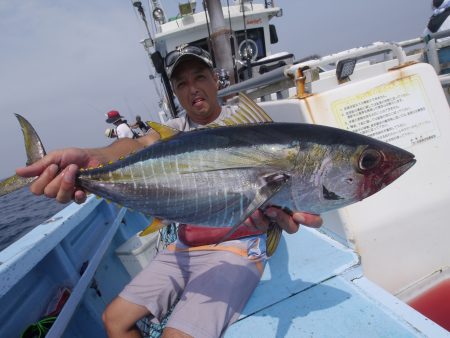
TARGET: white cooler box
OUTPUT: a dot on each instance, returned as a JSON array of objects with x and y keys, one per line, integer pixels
[{"x": 137, "y": 252}]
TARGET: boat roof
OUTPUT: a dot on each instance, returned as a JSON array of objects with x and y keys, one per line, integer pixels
[{"x": 197, "y": 21}]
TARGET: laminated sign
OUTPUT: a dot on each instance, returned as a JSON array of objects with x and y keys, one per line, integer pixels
[{"x": 397, "y": 112}]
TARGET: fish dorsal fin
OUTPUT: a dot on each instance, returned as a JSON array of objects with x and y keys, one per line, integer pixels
[
  {"x": 250, "y": 111},
  {"x": 247, "y": 112},
  {"x": 164, "y": 132},
  {"x": 33, "y": 145}
]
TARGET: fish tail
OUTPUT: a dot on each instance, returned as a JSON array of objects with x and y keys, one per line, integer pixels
[
  {"x": 34, "y": 150},
  {"x": 14, "y": 183}
]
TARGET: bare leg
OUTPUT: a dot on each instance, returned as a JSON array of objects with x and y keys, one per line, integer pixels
[
  {"x": 120, "y": 318},
  {"x": 174, "y": 333}
]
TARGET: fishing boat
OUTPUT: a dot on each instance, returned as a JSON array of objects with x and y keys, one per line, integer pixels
[{"x": 376, "y": 268}]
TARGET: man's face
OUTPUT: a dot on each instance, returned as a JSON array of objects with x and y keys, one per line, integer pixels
[{"x": 195, "y": 86}]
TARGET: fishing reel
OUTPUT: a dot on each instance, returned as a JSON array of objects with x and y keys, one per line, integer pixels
[{"x": 223, "y": 78}]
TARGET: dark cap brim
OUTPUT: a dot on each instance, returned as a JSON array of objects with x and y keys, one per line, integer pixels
[
  {"x": 187, "y": 56},
  {"x": 113, "y": 119}
]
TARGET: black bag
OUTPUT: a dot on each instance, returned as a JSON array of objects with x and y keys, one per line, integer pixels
[{"x": 436, "y": 21}]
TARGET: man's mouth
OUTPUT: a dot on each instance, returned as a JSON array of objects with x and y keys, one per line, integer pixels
[{"x": 197, "y": 101}]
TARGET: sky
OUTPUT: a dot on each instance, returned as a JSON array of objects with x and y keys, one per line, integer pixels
[{"x": 64, "y": 64}]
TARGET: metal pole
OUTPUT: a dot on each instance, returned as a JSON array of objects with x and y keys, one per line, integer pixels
[{"x": 220, "y": 37}]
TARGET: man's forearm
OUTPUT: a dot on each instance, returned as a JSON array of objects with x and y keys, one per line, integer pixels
[{"x": 122, "y": 147}]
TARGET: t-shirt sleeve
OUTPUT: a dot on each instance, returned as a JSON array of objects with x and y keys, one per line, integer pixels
[{"x": 124, "y": 131}]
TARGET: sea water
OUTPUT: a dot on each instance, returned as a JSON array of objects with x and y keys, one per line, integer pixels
[{"x": 21, "y": 211}]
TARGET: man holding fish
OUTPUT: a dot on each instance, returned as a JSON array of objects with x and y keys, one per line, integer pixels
[{"x": 211, "y": 282}]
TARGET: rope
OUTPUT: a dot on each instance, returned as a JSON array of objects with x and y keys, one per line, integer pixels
[{"x": 39, "y": 329}]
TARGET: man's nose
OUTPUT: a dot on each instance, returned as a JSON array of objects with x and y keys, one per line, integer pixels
[{"x": 193, "y": 89}]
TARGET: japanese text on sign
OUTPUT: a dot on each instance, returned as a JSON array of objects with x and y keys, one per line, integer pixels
[{"x": 397, "y": 112}]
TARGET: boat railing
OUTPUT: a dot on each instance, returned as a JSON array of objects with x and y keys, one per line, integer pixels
[
  {"x": 299, "y": 75},
  {"x": 432, "y": 48}
]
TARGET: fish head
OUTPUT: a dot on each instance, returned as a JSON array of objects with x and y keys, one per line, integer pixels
[
  {"x": 331, "y": 176},
  {"x": 353, "y": 173},
  {"x": 380, "y": 165}
]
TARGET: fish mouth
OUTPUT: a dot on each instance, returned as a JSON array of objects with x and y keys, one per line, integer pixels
[{"x": 403, "y": 166}]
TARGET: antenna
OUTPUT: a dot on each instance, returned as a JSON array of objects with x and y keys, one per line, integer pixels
[
  {"x": 138, "y": 5},
  {"x": 159, "y": 17}
]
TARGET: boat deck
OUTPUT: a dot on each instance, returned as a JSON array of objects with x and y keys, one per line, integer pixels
[{"x": 314, "y": 287}]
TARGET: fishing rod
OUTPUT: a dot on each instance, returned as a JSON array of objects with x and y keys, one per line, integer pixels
[{"x": 157, "y": 60}]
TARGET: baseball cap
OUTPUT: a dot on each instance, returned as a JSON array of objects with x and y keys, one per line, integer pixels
[
  {"x": 113, "y": 116},
  {"x": 175, "y": 57}
]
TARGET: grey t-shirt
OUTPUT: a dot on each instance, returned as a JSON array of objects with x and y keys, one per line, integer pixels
[{"x": 184, "y": 123}]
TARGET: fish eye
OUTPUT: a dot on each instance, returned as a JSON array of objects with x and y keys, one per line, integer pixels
[{"x": 369, "y": 159}]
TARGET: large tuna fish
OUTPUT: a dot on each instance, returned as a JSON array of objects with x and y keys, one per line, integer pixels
[{"x": 219, "y": 176}]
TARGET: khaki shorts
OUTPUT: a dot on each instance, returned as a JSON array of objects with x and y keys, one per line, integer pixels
[{"x": 211, "y": 286}]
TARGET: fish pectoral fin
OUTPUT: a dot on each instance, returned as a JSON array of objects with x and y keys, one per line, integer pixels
[
  {"x": 164, "y": 132},
  {"x": 273, "y": 183}
]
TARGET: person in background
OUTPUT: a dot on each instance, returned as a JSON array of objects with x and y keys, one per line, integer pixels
[
  {"x": 439, "y": 19},
  {"x": 143, "y": 127},
  {"x": 122, "y": 127},
  {"x": 207, "y": 284},
  {"x": 110, "y": 132}
]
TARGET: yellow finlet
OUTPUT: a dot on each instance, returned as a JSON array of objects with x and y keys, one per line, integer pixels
[
  {"x": 154, "y": 226},
  {"x": 164, "y": 132}
]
